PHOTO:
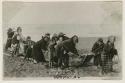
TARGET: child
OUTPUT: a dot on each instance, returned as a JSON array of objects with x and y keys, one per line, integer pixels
[{"x": 28, "y": 47}]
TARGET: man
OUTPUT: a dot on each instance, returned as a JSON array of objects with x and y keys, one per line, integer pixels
[
  {"x": 97, "y": 50},
  {"x": 37, "y": 52},
  {"x": 64, "y": 49}
]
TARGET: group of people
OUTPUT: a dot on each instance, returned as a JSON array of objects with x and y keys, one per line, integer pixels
[
  {"x": 104, "y": 53},
  {"x": 59, "y": 47}
]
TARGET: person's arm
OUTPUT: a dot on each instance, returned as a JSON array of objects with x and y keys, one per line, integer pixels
[
  {"x": 75, "y": 51},
  {"x": 72, "y": 50},
  {"x": 94, "y": 47}
]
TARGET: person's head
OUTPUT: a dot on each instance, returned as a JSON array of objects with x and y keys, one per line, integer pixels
[
  {"x": 100, "y": 40},
  {"x": 28, "y": 38},
  {"x": 75, "y": 39},
  {"x": 10, "y": 30},
  {"x": 54, "y": 37},
  {"x": 46, "y": 38},
  {"x": 19, "y": 29},
  {"x": 61, "y": 34},
  {"x": 60, "y": 38},
  {"x": 111, "y": 39},
  {"x": 47, "y": 34}
]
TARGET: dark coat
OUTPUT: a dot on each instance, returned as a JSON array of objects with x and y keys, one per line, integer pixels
[
  {"x": 97, "y": 48},
  {"x": 67, "y": 46},
  {"x": 14, "y": 39},
  {"x": 28, "y": 48},
  {"x": 37, "y": 53},
  {"x": 9, "y": 39},
  {"x": 28, "y": 44},
  {"x": 110, "y": 51}
]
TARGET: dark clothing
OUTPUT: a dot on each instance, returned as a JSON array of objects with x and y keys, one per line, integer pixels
[
  {"x": 62, "y": 49},
  {"x": 37, "y": 53},
  {"x": 28, "y": 48},
  {"x": 15, "y": 40},
  {"x": 65, "y": 37},
  {"x": 108, "y": 54},
  {"x": 28, "y": 53},
  {"x": 9, "y": 40},
  {"x": 69, "y": 46},
  {"x": 10, "y": 34},
  {"x": 52, "y": 53},
  {"x": 86, "y": 59},
  {"x": 97, "y": 60},
  {"x": 97, "y": 50},
  {"x": 28, "y": 44}
]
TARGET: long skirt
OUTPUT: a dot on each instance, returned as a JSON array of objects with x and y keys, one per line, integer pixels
[
  {"x": 59, "y": 53},
  {"x": 21, "y": 48},
  {"x": 107, "y": 64},
  {"x": 38, "y": 55},
  {"x": 28, "y": 53},
  {"x": 97, "y": 59},
  {"x": 8, "y": 44}
]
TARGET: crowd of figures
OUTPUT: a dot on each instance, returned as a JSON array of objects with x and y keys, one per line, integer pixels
[{"x": 59, "y": 47}]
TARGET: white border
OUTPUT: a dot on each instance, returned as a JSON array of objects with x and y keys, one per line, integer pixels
[{"x": 61, "y": 81}]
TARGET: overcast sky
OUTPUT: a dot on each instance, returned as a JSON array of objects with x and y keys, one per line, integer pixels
[{"x": 81, "y": 18}]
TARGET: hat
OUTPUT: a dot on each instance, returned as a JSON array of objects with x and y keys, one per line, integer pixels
[
  {"x": 47, "y": 34},
  {"x": 55, "y": 35},
  {"x": 100, "y": 40},
  {"x": 28, "y": 37},
  {"x": 19, "y": 28},
  {"x": 10, "y": 29},
  {"x": 61, "y": 34}
]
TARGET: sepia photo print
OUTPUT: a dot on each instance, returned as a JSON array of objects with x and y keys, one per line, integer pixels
[{"x": 62, "y": 40}]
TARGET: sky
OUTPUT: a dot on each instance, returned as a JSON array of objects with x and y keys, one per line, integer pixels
[{"x": 85, "y": 19}]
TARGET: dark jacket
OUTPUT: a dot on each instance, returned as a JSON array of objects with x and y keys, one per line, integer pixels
[
  {"x": 37, "y": 53},
  {"x": 97, "y": 48},
  {"x": 68, "y": 46},
  {"x": 10, "y": 34},
  {"x": 9, "y": 39},
  {"x": 14, "y": 39},
  {"x": 110, "y": 50}
]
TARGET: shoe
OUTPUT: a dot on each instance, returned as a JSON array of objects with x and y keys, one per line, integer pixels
[{"x": 34, "y": 61}]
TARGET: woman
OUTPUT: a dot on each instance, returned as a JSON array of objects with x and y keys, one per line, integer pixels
[
  {"x": 108, "y": 54},
  {"x": 10, "y": 34},
  {"x": 18, "y": 42},
  {"x": 97, "y": 50},
  {"x": 38, "y": 47},
  {"x": 52, "y": 44}
]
